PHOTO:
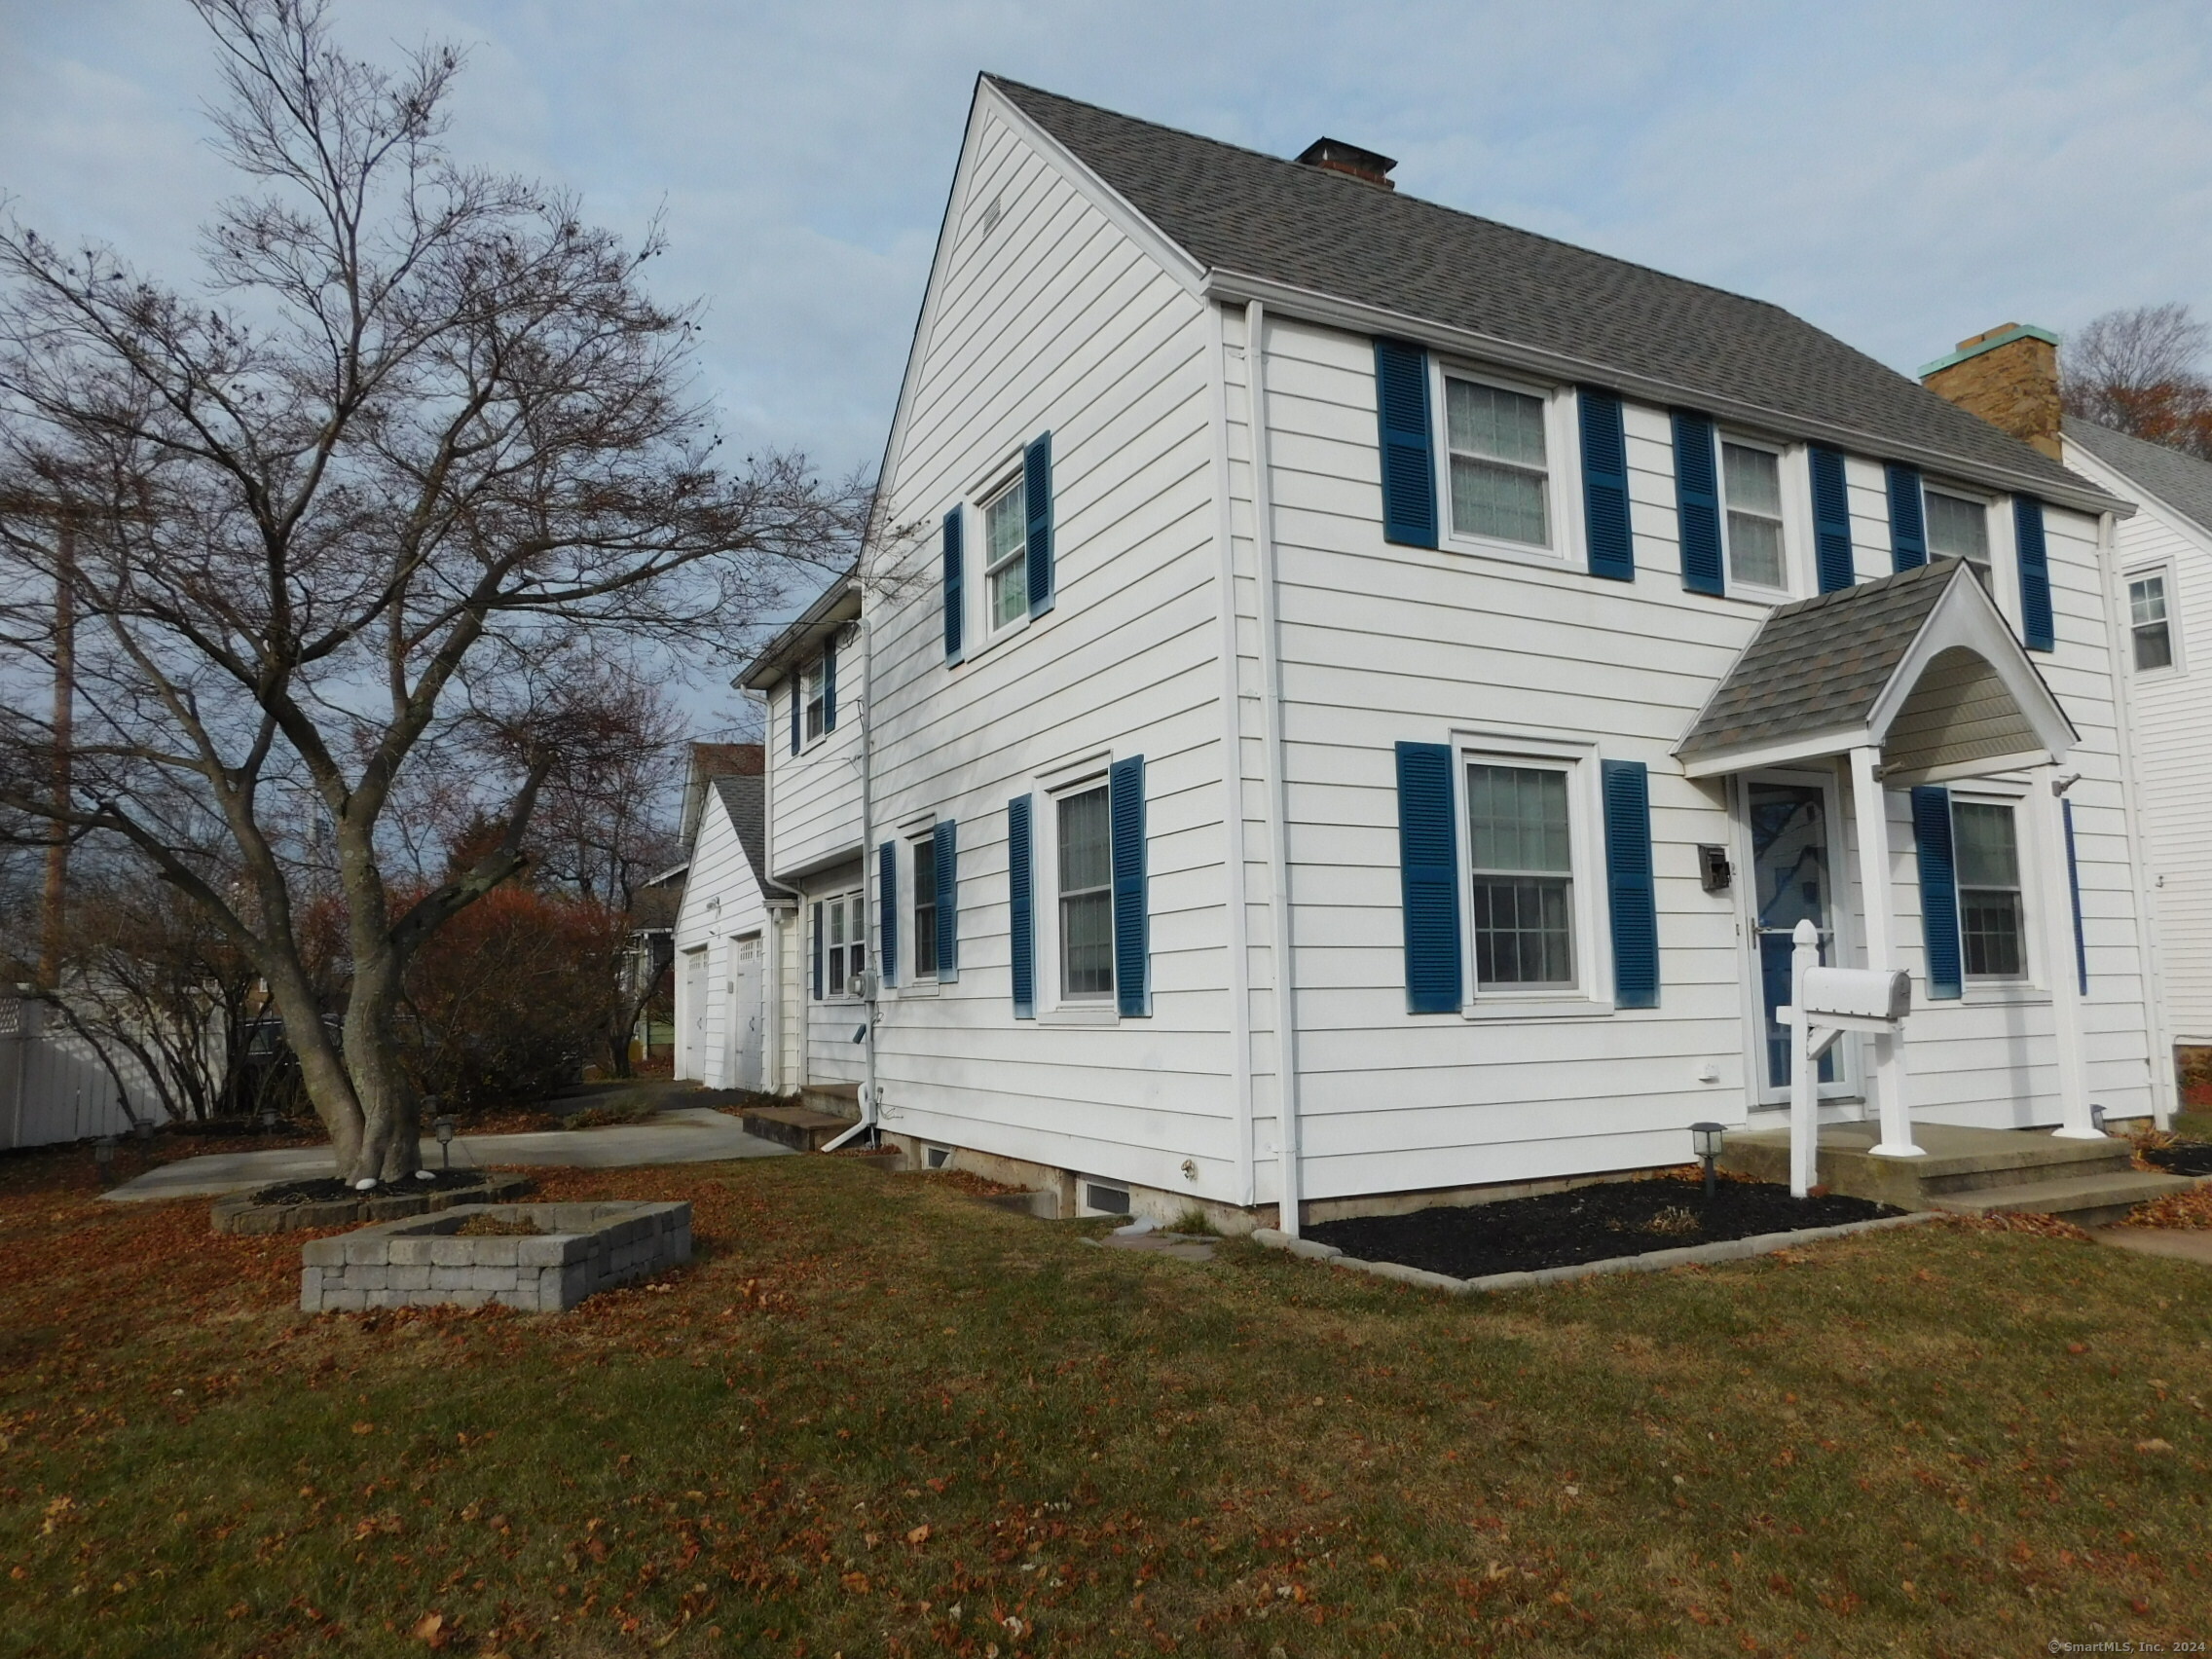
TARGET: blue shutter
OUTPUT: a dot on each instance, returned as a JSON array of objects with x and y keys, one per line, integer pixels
[
  {"x": 818, "y": 952},
  {"x": 1831, "y": 522},
  {"x": 887, "y": 910},
  {"x": 955, "y": 586},
  {"x": 1909, "y": 522},
  {"x": 947, "y": 900},
  {"x": 1938, "y": 890},
  {"x": 829, "y": 685},
  {"x": 1628, "y": 884},
  {"x": 1697, "y": 502},
  {"x": 2037, "y": 631},
  {"x": 1037, "y": 495},
  {"x": 1409, "y": 460},
  {"x": 2074, "y": 886},
  {"x": 799, "y": 708},
  {"x": 1605, "y": 485},
  {"x": 1132, "y": 946},
  {"x": 1428, "y": 878},
  {"x": 1021, "y": 912}
]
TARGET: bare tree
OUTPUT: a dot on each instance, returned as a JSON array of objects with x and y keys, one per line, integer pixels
[
  {"x": 2139, "y": 371},
  {"x": 407, "y": 487}
]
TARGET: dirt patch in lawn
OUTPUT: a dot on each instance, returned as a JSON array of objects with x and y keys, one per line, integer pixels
[
  {"x": 328, "y": 1189},
  {"x": 1586, "y": 1223}
]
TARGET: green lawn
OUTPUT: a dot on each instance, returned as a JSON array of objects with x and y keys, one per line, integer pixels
[{"x": 876, "y": 1417}]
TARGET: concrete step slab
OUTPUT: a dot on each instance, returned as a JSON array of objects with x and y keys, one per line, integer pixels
[
  {"x": 799, "y": 1127},
  {"x": 1954, "y": 1161},
  {"x": 2088, "y": 1201}
]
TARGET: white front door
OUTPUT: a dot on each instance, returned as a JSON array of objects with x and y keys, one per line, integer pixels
[
  {"x": 748, "y": 1016},
  {"x": 691, "y": 1031}
]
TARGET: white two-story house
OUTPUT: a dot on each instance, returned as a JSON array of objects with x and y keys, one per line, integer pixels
[{"x": 1348, "y": 699}]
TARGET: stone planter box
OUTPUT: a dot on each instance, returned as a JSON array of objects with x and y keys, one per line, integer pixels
[
  {"x": 243, "y": 1213},
  {"x": 582, "y": 1248}
]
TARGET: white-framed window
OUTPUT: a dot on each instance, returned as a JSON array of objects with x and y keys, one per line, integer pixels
[
  {"x": 1751, "y": 516},
  {"x": 1083, "y": 863},
  {"x": 1992, "y": 915},
  {"x": 1498, "y": 474},
  {"x": 2149, "y": 620},
  {"x": 1957, "y": 526},
  {"x": 817, "y": 704},
  {"x": 924, "y": 908},
  {"x": 1101, "y": 1197},
  {"x": 1520, "y": 873},
  {"x": 1005, "y": 550},
  {"x": 841, "y": 927}
]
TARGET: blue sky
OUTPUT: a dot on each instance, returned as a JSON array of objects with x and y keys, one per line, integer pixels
[{"x": 1902, "y": 174}]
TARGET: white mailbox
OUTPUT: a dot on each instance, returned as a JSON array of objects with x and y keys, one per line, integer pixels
[{"x": 1880, "y": 996}]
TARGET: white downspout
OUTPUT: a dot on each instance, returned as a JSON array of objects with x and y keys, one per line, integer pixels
[
  {"x": 872, "y": 980},
  {"x": 2047, "y": 791},
  {"x": 1233, "y": 780},
  {"x": 1289, "y": 1173},
  {"x": 772, "y": 1039}
]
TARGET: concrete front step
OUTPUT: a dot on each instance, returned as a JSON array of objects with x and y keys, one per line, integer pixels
[
  {"x": 1956, "y": 1162},
  {"x": 835, "y": 1099},
  {"x": 799, "y": 1127},
  {"x": 2087, "y": 1201}
]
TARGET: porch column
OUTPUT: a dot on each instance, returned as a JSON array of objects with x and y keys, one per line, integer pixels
[
  {"x": 1871, "y": 814},
  {"x": 2057, "y": 906}
]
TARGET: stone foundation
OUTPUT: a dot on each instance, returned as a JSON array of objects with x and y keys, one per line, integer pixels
[{"x": 581, "y": 1249}]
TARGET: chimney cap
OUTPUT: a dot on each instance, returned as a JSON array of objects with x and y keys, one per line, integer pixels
[
  {"x": 2004, "y": 334},
  {"x": 1337, "y": 155}
]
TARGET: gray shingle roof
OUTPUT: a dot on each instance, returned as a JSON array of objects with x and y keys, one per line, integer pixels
[
  {"x": 1819, "y": 664},
  {"x": 744, "y": 799},
  {"x": 1238, "y": 211},
  {"x": 2181, "y": 481}
]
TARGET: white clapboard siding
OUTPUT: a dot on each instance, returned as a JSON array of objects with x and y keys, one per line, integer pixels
[
  {"x": 721, "y": 901},
  {"x": 2169, "y": 712},
  {"x": 1056, "y": 319}
]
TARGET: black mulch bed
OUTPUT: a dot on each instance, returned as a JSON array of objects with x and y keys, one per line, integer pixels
[
  {"x": 328, "y": 1189},
  {"x": 2186, "y": 1158},
  {"x": 1586, "y": 1223}
]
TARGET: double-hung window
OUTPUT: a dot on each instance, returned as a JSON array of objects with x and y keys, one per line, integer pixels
[
  {"x": 1958, "y": 528},
  {"x": 2147, "y": 621},
  {"x": 817, "y": 707},
  {"x": 1087, "y": 896},
  {"x": 1005, "y": 549},
  {"x": 1523, "y": 872},
  {"x": 1991, "y": 929},
  {"x": 1501, "y": 481},
  {"x": 845, "y": 950},
  {"x": 924, "y": 908},
  {"x": 1750, "y": 483}
]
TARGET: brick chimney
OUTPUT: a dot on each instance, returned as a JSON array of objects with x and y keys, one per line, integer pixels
[
  {"x": 2009, "y": 378},
  {"x": 1334, "y": 155}
]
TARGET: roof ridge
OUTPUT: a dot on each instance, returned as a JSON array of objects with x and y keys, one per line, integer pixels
[{"x": 1421, "y": 201}]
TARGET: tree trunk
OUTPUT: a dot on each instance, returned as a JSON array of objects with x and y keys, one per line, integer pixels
[
  {"x": 330, "y": 1091},
  {"x": 390, "y": 1148}
]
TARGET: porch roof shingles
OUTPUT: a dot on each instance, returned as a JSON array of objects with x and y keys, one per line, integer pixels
[
  {"x": 1241, "y": 213},
  {"x": 1819, "y": 664}
]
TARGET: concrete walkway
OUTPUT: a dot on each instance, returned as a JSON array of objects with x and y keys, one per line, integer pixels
[
  {"x": 689, "y": 1134},
  {"x": 2180, "y": 1245}
]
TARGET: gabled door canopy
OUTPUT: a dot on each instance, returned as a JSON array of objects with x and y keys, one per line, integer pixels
[{"x": 1920, "y": 665}]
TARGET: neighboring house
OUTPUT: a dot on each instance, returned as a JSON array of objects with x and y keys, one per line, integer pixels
[
  {"x": 723, "y": 939},
  {"x": 1355, "y": 697}
]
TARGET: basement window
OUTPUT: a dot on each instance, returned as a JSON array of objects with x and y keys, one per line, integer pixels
[
  {"x": 937, "y": 1156},
  {"x": 1098, "y": 1198}
]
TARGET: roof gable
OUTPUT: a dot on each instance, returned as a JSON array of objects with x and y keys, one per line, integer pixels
[
  {"x": 2176, "y": 480},
  {"x": 1235, "y": 210}
]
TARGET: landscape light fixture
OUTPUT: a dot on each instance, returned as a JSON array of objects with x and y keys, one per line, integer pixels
[
  {"x": 2097, "y": 1118},
  {"x": 267, "y": 1119},
  {"x": 1705, "y": 1141},
  {"x": 444, "y": 1128}
]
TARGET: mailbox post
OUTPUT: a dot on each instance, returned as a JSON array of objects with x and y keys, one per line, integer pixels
[{"x": 1823, "y": 1004}]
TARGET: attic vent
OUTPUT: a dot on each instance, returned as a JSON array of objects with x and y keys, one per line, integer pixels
[
  {"x": 992, "y": 216},
  {"x": 1337, "y": 155}
]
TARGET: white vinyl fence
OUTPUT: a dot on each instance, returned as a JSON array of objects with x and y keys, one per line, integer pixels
[{"x": 53, "y": 1087}]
